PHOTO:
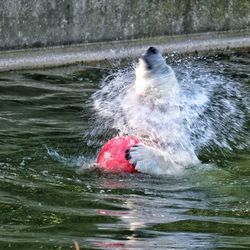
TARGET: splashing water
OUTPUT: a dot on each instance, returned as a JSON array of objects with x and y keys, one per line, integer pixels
[
  {"x": 69, "y": 161},
  {"x": 212, "y": 106}
]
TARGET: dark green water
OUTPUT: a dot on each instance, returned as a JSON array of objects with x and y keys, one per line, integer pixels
[{"x": 46, "y": 204}]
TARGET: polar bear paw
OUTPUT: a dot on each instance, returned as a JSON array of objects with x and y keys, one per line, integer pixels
[{"x": 142, "y": 157}]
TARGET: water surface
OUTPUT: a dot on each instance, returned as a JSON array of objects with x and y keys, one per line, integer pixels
[{"x": 46, "y": 204}]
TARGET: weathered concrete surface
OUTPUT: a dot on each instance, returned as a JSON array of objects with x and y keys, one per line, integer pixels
[
  {"x": 33, "y": 23},
  {"x": 96, "y": 52}
]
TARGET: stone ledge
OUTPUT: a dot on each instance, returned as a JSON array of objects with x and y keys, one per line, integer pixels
[{"x": 94, "y": 52}]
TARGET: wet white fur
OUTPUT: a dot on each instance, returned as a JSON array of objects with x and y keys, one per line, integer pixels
[{"x": 153, "y": 114}]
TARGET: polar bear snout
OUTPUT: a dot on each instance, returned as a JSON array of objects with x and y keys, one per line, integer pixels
[
  {"x": 151, "y": 53},
  {"x": 150, "y": 56},
  {"x": 153, "y": 74},
  {"x": 151, "y": 60},
  {"x": 152, "y": 50}
]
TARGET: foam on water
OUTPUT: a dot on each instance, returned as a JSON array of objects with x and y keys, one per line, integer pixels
[{"x": 213, "y": 110}]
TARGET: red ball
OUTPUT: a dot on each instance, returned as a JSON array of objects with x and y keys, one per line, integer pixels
[{"x": 112, "y": 155}]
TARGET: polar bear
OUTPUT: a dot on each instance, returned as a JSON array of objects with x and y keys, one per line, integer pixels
[{"x": 155, "y": 118}]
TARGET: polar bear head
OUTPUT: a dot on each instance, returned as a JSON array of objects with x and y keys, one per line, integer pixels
[{"x": 154, "y": 78}]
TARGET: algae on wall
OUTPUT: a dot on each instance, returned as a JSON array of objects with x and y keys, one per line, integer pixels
[{"x": 32, "y": 23}]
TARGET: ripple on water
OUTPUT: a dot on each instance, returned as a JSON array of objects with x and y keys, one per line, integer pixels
[{"x": 46, "y": 132}]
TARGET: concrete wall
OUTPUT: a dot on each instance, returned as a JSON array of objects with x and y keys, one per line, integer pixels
[{"x": 37, "y": 23}]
